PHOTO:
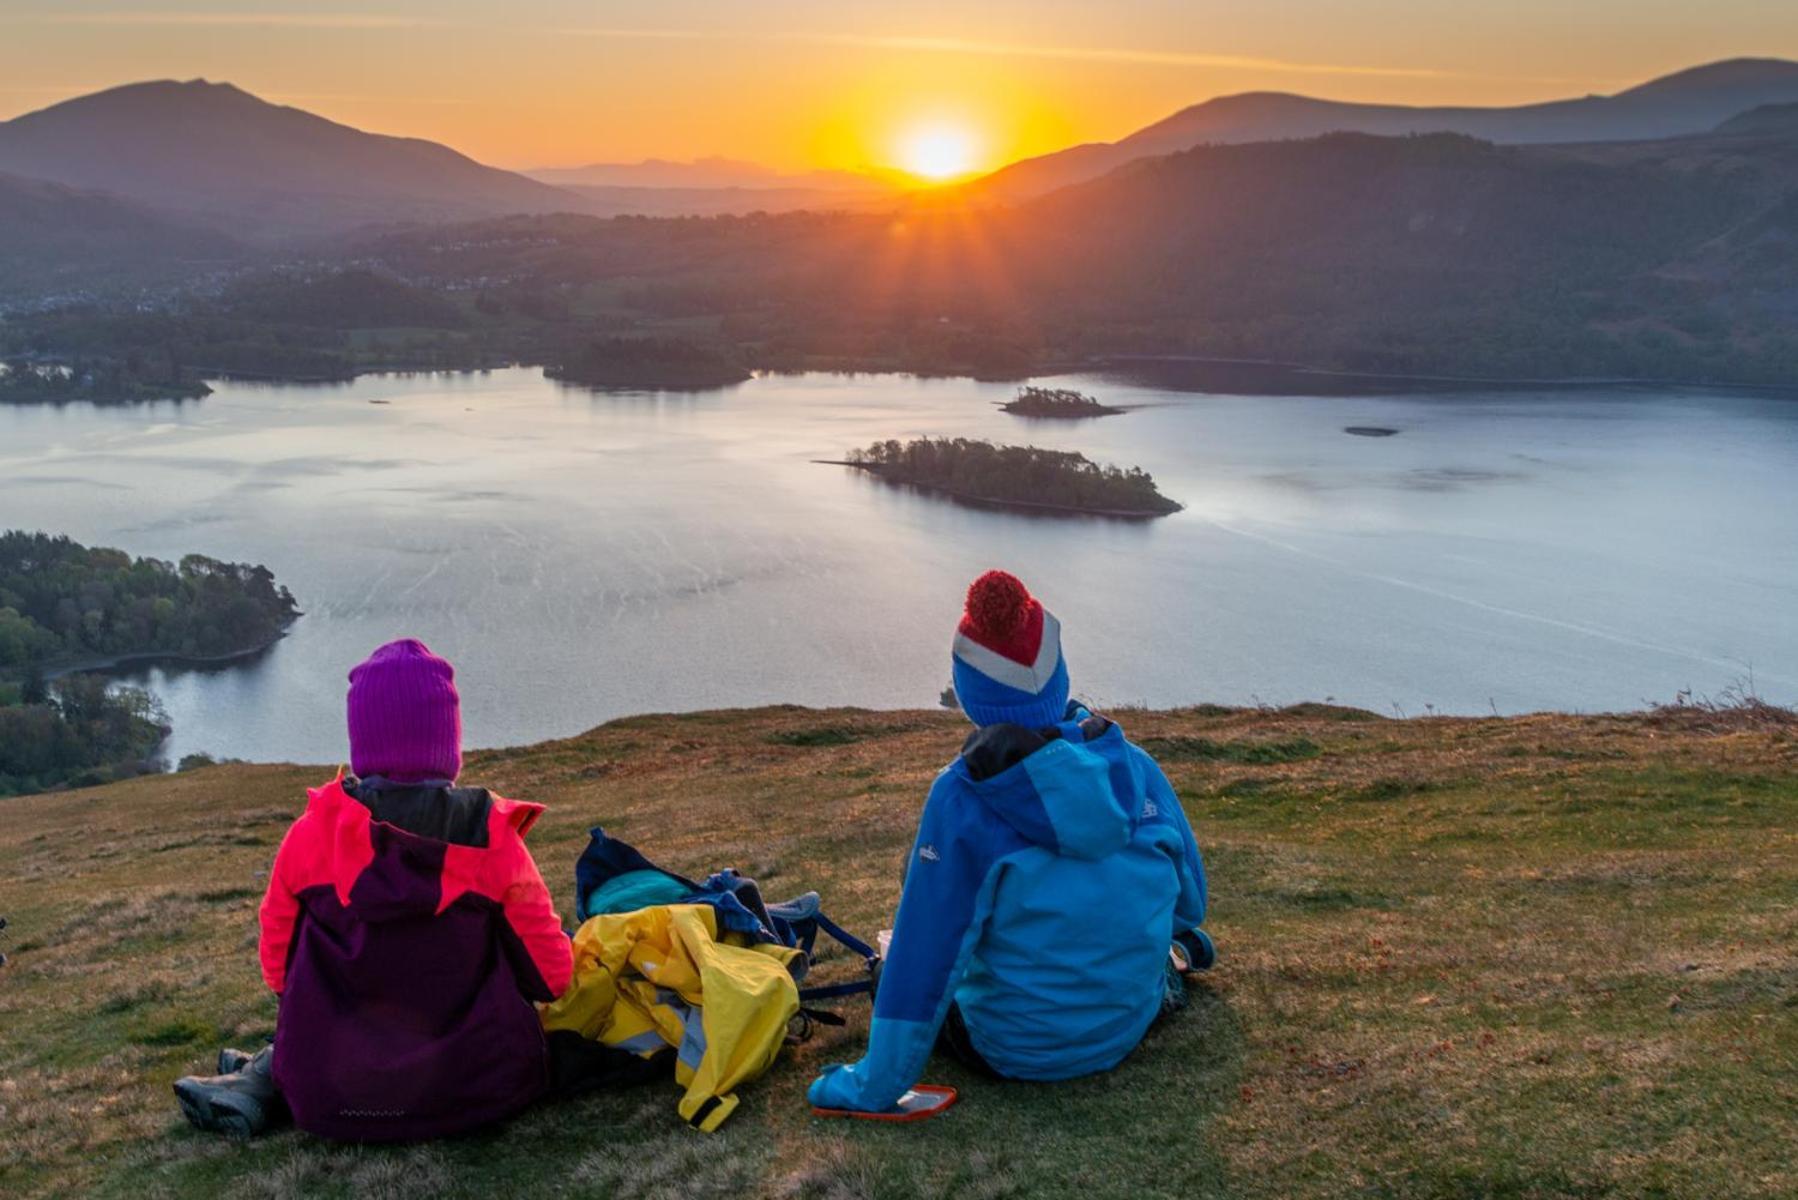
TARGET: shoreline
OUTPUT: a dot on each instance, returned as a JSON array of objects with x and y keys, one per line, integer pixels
[
  {"x": 1053, "y": 369},
  {"x": 1525, "y": 383},
  {"x": 119, "y": 664},
  {"x": 1048, "y": 368}
]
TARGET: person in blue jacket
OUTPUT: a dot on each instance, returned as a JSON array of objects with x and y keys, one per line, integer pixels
[{"x": 1052, "y": 873}]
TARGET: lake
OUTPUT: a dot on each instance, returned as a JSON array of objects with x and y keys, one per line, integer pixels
[{"x": 583, "y": 556}]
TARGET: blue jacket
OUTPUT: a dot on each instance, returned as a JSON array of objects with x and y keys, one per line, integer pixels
[{"x": 1050, "y": 872}]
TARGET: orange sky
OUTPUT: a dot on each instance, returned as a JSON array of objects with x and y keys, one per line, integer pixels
[{"x": 850, "y": 83}]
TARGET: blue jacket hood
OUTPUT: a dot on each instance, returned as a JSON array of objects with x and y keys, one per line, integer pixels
[{"x": 1072, "y": 788}]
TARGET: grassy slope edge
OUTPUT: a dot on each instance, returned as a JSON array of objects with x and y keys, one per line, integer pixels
[{"x": 1535, "y": 956}]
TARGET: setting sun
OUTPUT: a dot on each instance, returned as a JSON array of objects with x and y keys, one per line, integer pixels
[{"x": 938, "y": 151}]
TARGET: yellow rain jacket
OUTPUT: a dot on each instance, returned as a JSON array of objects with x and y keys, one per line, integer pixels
[{"x": 660, "y": 977}]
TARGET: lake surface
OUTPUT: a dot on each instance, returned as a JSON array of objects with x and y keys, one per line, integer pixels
[{"x": 582, "y": 556}]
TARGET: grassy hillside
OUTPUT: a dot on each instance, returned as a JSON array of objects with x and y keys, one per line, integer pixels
[{"x": 1537, "y": 956}]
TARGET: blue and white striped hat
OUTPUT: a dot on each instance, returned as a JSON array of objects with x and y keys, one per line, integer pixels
[{"x": 1007, "y": 663}]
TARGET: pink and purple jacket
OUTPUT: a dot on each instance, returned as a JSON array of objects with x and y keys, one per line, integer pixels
[{"x": 407, "y": 932}]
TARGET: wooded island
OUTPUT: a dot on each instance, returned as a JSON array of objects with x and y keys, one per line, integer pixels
[
  {"x": 1057, "y": 404},
  {"x": 1025, "y": 477}
]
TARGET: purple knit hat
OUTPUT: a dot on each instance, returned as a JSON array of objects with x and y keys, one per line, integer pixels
[{"x": 405, "y": 716}]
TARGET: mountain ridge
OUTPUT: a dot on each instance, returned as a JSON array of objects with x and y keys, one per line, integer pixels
[
  {"x": 53, "y": 236},
  {"x": 712, "y": 171},
  {"x": 217, "y": 151},
  {"x": 1690, "y": 101},
  {"x": 212, "y": 152},
  {"x": 1774, "y": 119}
]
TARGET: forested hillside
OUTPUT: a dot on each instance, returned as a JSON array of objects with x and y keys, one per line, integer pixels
[
  {"x": 1431, "y": 255},
  {"x": 60, "y": 600},
  {"x": 66, "y": 605}
]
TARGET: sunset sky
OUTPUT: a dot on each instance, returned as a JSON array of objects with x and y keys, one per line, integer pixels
[{"x": 849, "y": 83}]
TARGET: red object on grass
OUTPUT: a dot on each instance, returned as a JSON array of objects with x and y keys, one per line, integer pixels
[{"x": 921, "y": 1103}]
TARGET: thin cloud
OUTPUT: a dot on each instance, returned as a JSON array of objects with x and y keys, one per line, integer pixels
[
  {"x": 656, "y": 35},
  {"x": 934, "y": 45},
  {"x": 362, "y": 98},
  {"x": 897, "y": 42},
  {"x": 225, "y": 20},
  {"x": 53, "y": 89},
  {"x": 1170, "y": 58}
]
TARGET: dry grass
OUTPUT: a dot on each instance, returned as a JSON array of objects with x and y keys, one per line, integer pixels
[
  {"x": 1737, "y": 707},
  {"x": 1538, "y": 956}
]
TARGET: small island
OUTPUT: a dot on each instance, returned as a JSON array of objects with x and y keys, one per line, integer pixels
[
  {"x": 1056, "y": 482},
  {"x": 1057, "y": 404},
  {"x": 66, "y": 608},
  {"x": 1369, "y": 431},
  {"x": 649, "y": 363}
]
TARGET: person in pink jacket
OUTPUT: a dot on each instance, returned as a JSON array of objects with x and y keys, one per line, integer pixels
[{"x": 409, "y": 936}]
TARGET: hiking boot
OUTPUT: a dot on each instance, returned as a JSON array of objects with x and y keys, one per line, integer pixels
[
  {"x": 1194, "y": 945},
  {"x": 241, "y": 1104},
  {"x": 232, "y": 1061}
]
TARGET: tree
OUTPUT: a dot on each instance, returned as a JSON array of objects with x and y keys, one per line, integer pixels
[{"x": 35, "y": 689}]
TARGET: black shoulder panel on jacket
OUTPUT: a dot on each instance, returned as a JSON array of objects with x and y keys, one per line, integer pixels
[
  {"x": 992, "y": 749},
  {"x": 455, "y": 815}
]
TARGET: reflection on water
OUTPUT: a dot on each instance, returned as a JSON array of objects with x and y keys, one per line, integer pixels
[{"x": 583, "y": 556}]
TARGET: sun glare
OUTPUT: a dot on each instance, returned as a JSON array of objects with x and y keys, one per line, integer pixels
[{"x": 939, "y": 151}]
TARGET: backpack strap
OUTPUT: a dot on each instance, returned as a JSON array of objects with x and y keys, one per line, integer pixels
[
  {"x": 808, "y": 933},
  {"x": 848, "y": 939}
]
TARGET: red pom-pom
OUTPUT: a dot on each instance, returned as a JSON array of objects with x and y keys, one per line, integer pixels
[{"x": 998, "y": 605}]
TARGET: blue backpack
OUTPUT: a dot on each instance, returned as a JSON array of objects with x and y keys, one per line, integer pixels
[{"x": 613, "y": 876}]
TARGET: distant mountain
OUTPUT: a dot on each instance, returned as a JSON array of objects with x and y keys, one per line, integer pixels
[
  {"x": 709, "y": 187},
  {"x": 725, "y": 201},
  {"x": 1436, "y": 254},
  {"x": 1768, "y": 119},
  {"x": 1236, "y": 222},
  {"x": 1755, "y": 152},
  {"x": 261, "y": 169},
  {"x": 1688, "y": 102},
  {"x": 706, "y": 173},
  {"x": 54, "y": 238}
]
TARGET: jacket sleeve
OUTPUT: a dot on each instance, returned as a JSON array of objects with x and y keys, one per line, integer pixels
[
  {"x": 942, "y": 909},
  {"x": 1189, "y": 864},
  {"x": 279, "y": 914},
  {"x": 532, "y": 917}
]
